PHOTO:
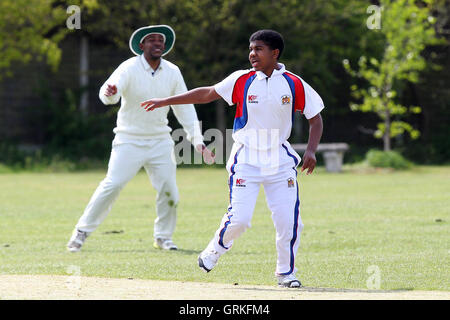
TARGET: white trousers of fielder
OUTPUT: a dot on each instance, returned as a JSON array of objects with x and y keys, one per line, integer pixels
[
  {"x": 282, "y": 196},
  {"x": 156, "y": 156}
]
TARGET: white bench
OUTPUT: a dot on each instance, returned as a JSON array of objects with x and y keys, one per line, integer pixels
[{"x": 333, "y": 154}]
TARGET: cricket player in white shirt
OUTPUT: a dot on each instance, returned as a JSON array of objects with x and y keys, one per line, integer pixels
[
  {"x": 143, "y": 139},
  {"x": 266, "y": 97}
]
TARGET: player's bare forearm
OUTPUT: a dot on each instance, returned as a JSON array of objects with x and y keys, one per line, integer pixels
[
  {"x": 315, "y": 133},
  {"x": 195, "y": 96}
]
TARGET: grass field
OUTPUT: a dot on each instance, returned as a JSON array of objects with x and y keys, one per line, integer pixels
[{"x": 356, "y": 223}]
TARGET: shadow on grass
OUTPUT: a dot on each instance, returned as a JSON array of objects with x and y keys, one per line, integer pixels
[
  {"x": 313, "y": 289},
  {"x": 149, "y": 250},
  {"x": 188, "y": 251}
]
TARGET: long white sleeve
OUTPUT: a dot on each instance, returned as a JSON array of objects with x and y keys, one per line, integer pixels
[{"x": 119, "y": 78}]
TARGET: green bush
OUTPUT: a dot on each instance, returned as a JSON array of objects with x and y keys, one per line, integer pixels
[
  {"x": 68, "y": 133},
  {"x": 14, "y": 159},
  {"x": 387, "y": 159},
  {"x": 5, "y": 169}
]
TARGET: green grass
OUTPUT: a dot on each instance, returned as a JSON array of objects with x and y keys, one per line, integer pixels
[{"x": 397, "y": 221}]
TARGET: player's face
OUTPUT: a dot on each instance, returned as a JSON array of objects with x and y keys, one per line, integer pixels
[
  {"x": 262, "y": 57},
  {"x": 153, "y": 46}
]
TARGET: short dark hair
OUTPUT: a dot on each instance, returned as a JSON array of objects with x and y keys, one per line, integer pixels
[{"x": 271, "y": 38}]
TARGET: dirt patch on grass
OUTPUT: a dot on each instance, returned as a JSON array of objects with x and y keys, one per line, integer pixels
[{"x": 48, "y": 287}]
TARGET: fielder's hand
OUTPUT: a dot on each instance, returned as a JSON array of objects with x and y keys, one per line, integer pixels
[
  {"x": 152, "y": 104},
  {"x": 208, "y": 156},
  {"x": 309, "y": 162},
  {"x": 110, "y": 90}
]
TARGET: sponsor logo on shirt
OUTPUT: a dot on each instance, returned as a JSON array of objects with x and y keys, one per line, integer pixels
[
  {"x": 290, "y": 182},
  {"x": 252, "y": 98},
  {"x": 240, "y": 183},
  {"x": 286, "y": 99}
]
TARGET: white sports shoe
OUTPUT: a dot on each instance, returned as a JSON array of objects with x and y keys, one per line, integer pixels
[
  {"x": 76, "y": 241},
  {"x": 208, "y": 259},
  {"x": 165, "y": 244},
  {"x": 289, "y": 281}
]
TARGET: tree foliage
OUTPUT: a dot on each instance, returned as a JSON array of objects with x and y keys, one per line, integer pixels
[
  {"x": 407, "y": 29},
  {"x": 212, "y": 41},
  {"x": 24, "y": 29},
  {"x": 32, "y": 30}
]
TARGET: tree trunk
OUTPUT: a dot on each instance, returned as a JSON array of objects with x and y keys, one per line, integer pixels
[
  {"x": 387, "y": 131},
  {"x": 84, "y": 77}
]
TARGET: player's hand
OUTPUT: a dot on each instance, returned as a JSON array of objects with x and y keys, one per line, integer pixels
[
  {"x": 110, "y": 90},
  {"x": 208, "y": 156},
  {"x": 152, "y": 104},
  {"x": 309, "y": 162}
]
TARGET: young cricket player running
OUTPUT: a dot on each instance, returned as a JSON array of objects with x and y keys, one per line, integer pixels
[{"x": 266, "y": 97}]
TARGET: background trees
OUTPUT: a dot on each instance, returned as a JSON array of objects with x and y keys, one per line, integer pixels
[
  {"x": 27, "y": 32},
  {"x": 212, "y": 41},
  {"x": 406, "y": 30}
]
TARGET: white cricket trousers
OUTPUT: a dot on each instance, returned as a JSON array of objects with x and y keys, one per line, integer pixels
[
  {"x": 282, "y": 197},
  {"x": 125, "y": 162}
]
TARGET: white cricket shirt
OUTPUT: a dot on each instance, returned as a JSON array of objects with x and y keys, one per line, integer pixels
[
  {"x": 265, "y": 106},
  {"x": 136, "y": 81}
]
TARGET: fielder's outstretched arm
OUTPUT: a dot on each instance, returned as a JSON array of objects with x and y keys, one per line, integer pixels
[{"x": 194, "y": 96}]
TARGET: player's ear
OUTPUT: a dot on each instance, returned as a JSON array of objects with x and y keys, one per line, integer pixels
[
  {"x": 276, "y": 53},
  {"x": 141, "y": 46}
]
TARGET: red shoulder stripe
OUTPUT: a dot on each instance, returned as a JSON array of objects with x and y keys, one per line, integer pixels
[
  {"x": 238, "y": 92},
  {"x": 299, "y": 92}
]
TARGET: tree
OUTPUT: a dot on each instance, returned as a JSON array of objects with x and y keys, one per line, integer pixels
[
  {"x": 32, "y": 30},
  {"x": 27, "y": 32},
  {"x": 406, "y": 29}
]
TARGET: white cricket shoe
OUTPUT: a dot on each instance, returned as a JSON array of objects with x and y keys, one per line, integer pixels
[
  {"x": 165, "y": 244},
  {"x": 76, "y": 241},
  {"x": 208, "y": 259},
  {"x": 289, "y": 281}
]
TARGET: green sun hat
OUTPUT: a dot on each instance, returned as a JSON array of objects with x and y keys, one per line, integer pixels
[{"x": 139, "y": 35}]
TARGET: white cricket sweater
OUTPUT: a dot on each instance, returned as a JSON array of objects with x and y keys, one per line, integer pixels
[{"x": 136, "y": 82}]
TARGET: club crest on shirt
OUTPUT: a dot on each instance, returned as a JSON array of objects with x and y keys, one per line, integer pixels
[
  {"x": 290, "y": 182},
  {"x": 251, "y": 98},
  {"x": 240, "y": 183},
  {"x": 286, "y": 99}
]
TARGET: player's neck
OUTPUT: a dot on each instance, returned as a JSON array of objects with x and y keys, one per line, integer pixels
[
  {"x": 269, "y": 70},
  {"x": 153, "y": 62}
]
